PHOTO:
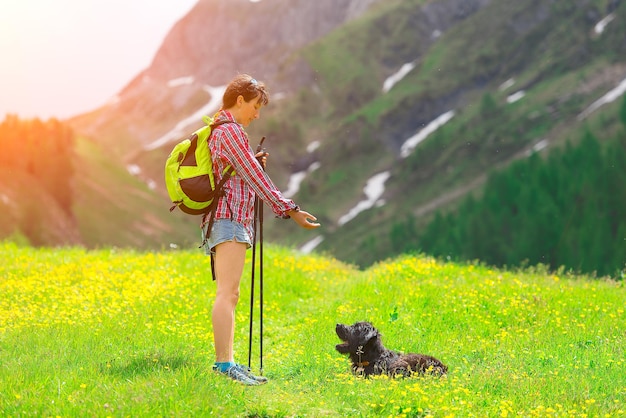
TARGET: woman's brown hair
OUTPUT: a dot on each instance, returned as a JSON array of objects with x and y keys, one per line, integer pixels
[{"x": 246, "y": 86}]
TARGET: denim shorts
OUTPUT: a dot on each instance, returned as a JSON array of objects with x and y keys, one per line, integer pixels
[{"x": 225, "y": 230}]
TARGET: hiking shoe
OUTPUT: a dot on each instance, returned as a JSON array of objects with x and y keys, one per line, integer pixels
[
  {"x": 246, "y": 370},
  {"x": 237, "y": 375}
]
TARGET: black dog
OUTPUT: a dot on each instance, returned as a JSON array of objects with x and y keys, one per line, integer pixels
[{"x": 362, "y": 343}]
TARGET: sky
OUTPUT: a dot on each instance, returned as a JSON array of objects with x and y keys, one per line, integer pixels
[{"x": 61, "y": 58}]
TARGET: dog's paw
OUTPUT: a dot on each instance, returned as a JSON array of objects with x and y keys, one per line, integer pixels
[
  {"x": 437, "y": 370},
  {"x": 359, "y": 371},
  {"x": 400, "y": 372}
]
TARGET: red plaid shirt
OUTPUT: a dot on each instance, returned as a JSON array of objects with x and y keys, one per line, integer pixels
[{"x": 229, "y": 146}]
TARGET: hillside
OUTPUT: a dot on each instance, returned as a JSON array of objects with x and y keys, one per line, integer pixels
[
  {"x": 31, "y": 214},
  {"x": 425, "y": 98},
  {"x": 503, "y": 92},
  {"x": 110, "y": 208},
  {"x": 113, "y": 208}
]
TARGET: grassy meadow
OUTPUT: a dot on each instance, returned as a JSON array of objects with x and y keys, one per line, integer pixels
[{"x": 127, "y": 334}]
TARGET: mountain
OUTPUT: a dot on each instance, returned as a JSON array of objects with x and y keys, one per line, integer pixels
[{"x": 414, "y": 101}]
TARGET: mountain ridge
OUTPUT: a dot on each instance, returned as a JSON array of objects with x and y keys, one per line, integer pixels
[{"x": 515, "y": 75}]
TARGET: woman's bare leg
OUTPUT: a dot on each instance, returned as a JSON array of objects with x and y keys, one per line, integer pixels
[{"x": 230, "y": 258}]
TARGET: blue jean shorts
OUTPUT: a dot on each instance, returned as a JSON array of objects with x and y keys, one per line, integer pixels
[{"x": 225, "y": 230}]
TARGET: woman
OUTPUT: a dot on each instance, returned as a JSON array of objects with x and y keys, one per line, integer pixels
[{"x": 232, "y": 231}]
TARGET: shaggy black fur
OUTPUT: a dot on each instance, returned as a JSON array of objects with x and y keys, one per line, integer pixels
[{"x": 363, "y": 345}]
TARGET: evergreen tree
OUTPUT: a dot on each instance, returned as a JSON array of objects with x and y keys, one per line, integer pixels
[
  {"x": 43, "y": 150},
  {"x": 403, "y": 236},
  {"x": 567, "y": 211}
]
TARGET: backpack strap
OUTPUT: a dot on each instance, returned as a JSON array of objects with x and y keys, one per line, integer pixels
[
  {"x": 226, "y": 175},
  {"x": 211, "y": 216},
  {"x": 229, "y": 171},
  {"x": 218, "y": 123}
]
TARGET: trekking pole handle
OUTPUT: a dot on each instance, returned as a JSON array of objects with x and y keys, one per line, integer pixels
[{"x": 259, "y": 147}]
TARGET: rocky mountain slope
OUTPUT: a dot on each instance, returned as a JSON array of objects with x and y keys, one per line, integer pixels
[{"x": 382, "y": 110}]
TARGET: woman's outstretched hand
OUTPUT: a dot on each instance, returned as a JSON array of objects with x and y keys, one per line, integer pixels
[{"x": 304, "y": 219}]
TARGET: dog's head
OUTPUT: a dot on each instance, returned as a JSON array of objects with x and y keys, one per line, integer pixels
[{"x": 355, "y": 337}]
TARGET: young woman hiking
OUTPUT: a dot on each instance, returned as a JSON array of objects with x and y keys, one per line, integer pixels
[{"x": 232, "y": 232}]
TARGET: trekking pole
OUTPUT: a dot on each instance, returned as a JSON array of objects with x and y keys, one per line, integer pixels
[
  {"x": 261, "y": 288},
  {"x": 259, "y": 211},
  {"x": 256, "y": 202}
]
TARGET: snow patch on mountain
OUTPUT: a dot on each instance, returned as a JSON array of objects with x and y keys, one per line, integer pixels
[
  {"x": 373, "y": 190},
  {"x": 601, "y": 25},
  {"x": 309, "y": 246},
  {"x": 181, "y": 129},
  {"x": 397, "y": 76},
  {"x": 296, "y": 179},
  {"x": 515, "y": 96},
  {"x": 609, "y": 97},
  {"x": 412, "y": 142},
  {"x": 181, "y": 81}
]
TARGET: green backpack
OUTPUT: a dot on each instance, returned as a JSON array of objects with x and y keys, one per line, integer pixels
[{"x": 189, "y": 173}]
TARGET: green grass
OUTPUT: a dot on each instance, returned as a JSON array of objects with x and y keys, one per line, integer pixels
[{"x": 122, "y": 333}]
